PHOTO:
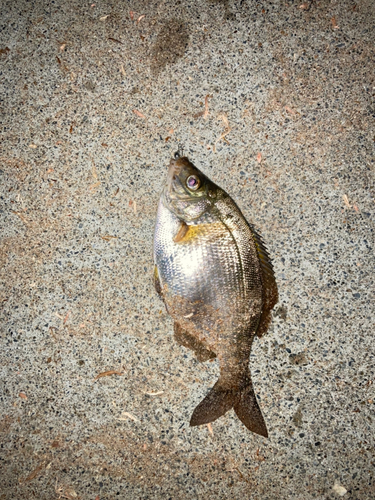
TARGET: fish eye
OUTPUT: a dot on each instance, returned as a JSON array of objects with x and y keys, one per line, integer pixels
[
  {"x": 177, "y": 155},
  {"x": 193, "y": 182}
]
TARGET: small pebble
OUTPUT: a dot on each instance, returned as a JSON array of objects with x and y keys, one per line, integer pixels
[{"x": 340, "y": 490}]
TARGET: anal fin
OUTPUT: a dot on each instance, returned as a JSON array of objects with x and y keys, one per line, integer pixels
[{"x": 185, "y": 339}]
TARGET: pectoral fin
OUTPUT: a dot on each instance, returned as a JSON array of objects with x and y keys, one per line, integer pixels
[{"x": 182, "y": 231}]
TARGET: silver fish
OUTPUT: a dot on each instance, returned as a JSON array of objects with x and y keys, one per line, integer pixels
[{"x": 216, "y": 279}]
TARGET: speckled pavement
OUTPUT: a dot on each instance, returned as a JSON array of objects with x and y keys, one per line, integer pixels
[{"x": 274, "y": 101}]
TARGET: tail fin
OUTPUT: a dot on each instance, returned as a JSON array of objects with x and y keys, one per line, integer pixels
[
  {"x": 217, "y": 402},
  {"x": 221, "y": 399},
  {"x": 248, "y": 411}
]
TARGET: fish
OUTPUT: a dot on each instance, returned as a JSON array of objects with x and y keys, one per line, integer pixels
[{"x": 215, "y": 276}]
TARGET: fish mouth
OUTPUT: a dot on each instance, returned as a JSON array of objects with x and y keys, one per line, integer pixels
[
  {"x": 175, "y": 187},
  {"x": 176, "y": 165}
]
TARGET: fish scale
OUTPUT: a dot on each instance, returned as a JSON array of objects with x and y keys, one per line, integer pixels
[{"x": 214, "y": 274}]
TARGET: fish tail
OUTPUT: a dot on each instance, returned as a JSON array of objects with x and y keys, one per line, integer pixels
[
  {"x": 221, "y": 399},
  {"x": 217, "y": 402},
  {"x": 248, "y": 411}
]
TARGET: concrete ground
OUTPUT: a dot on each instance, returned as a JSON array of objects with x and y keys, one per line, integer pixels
[{"x": 274, "y": 101}]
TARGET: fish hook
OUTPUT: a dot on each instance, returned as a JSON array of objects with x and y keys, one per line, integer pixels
[{"x": 179, "y": 152}]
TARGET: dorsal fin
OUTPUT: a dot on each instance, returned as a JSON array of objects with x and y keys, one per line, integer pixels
[{"x": 270, "y": 295}]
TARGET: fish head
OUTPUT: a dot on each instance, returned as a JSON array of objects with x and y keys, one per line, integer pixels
[{"x": 188, "y": 193}]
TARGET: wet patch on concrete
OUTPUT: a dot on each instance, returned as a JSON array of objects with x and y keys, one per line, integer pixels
[{"x": 170, "y": 44}]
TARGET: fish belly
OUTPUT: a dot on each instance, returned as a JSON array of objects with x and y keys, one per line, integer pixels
[{"x": 204, "y": 283}]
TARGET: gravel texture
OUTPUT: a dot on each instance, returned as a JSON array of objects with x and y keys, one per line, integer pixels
[{"x": 274, "y": 101}]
